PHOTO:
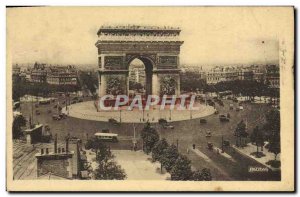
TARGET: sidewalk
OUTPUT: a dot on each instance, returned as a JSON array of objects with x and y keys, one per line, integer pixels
[
  {"x": 138, "y": 165},
  {"x": 250, "y": 148}
]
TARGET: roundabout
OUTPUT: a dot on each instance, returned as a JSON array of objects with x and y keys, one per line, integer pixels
[{"x": 87, "y": 111}]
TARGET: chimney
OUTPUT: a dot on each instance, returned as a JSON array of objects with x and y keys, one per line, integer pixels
[{"x": 42, "y": 151}]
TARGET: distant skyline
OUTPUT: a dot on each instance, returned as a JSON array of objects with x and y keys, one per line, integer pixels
[{"x": 56, "y": 35}]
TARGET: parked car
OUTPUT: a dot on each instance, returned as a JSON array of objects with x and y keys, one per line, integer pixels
[
  {"x": 63, "y": 116},
  {"x": 56, "y": 117},
  {"x": 231, "y": 106},
  {"x": 162, "y": 121},
  {"x": 223, "y": 118},
  {"x": 203, "y": 121},
  {"x": 168, "y": 126},
  {"x": 73, "y": 102},
  {"x": 113, "y": 121},
  {"x": 211, "y": 103},
  {"x": 80, "y": 100}
]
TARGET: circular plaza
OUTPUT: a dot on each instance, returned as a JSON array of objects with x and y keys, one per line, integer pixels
[{"x": 86, "y": 110}]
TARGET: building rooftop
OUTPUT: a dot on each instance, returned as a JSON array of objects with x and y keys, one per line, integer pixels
[
  {"x": 138, "y": 33},
  {"x": 111, "y": 28}
]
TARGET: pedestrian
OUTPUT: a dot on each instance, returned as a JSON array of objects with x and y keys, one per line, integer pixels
[{"x": 194, "y": 146}]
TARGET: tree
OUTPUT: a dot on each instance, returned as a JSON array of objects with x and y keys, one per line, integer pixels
[
  {"x": 272, "y": 125},
  {"x": 240, "y": 132},
  {"x": 18, "y": 122},
  {"x": 94, "y": 143},
  {"x": 107, "y": 168},
  {"x": 206, "y": 175},
  {"x": 169, "y": 157},
  {"x": 158, "y": 149},
  {"x": 181, "y": 170},
  {"x": 274, "y": 145},
  {"x": 203, "y": 175},
  {"x": 272, "y": 128},
  {"x": 150, "y": 137},
  {"x": 257, "y": 138}
]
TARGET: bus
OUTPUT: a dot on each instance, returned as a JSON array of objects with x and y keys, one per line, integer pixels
[{"x": 107, "y": 137}]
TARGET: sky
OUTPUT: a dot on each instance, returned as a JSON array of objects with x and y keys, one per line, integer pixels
[{"x": 212, "y": 36}]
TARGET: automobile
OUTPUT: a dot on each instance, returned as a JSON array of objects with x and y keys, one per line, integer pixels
[
  {"x": 223, "y": 118},
  {"x": 64, "y": 102},
  {"x": 168, "y": 126},
  {"x": 63, "y": 116},
  {"x": 241, "y": 107},
  {"x": 37, "y": 112},
  {"x": 47, "y": 127},
  {"x": 73, "y": 102},
  {"x": 45, "y": 101},
  {"x": 226, "y": 143},
  {"x": 113, "y": 121},
  {"x": 105, "y": 131},
  {"x": 211, "y": 103},
  {"x": 56, "y": 117},
  {"x": 221, "y": 103},
  {"x": 237, "y": 109},
  {"x": 235, "y": 100},
  {"x": 210, "y": 145},
  {"x": 107, "y": 137},
  {"x": 203, "y": 121},
  {"x": 162, "y": 121},
  {"x": 55, "y": 106},
  {"x": 80, "y": 100},
  {"x": 208, "y": 134},
  {"x": 75, "y": 98},
  {"x": 231, "y": 106}
]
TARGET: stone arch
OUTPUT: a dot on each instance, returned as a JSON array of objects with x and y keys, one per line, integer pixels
[
  {"x": 158, "y": 48},
  {"x": 149, "y": 66}
]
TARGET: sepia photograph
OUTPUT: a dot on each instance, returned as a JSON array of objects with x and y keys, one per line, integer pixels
[{"x": 150, "y": 98}]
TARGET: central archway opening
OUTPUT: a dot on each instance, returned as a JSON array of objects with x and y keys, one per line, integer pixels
[{"x": 140, "y": 77}]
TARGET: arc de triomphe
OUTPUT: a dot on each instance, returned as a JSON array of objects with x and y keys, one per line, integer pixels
[{"x": 158, "y": 48}]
